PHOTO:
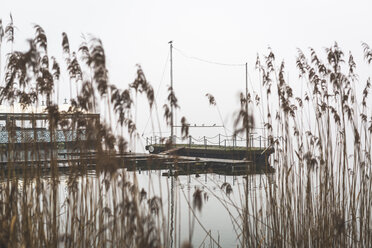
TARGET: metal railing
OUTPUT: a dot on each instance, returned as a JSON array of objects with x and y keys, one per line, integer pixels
[
  {"x": 220, "y": 140},
  {"x": 27, "y": 136}
]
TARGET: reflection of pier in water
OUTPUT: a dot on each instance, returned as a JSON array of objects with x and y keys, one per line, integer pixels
[
  {"x": 179, "y": 189},
  {"x": 212, "y": 180}
]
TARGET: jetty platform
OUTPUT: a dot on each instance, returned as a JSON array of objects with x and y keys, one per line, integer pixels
[
  {"x": 172, "y": 165},
  {"x": 258, "y": 155}
]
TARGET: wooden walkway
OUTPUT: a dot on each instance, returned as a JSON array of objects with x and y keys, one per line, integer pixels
[
  {"x": 186, "y": 159},
  {"x": 176, "y": 165}
]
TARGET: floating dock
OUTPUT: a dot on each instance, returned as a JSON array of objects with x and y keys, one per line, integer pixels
[
  {"x": 173, "y": 165},
  {"x": 185, "y": 165},
  {"x": 254, "y": 154}
]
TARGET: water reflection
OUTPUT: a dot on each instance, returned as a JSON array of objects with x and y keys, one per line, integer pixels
[
  {"x": 222, "y": 197},
  {"x": 172, "y": 211}
]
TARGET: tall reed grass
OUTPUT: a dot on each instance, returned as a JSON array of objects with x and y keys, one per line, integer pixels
[
  {"x": 322, "y": 191},
  {"x": 322, "y": 194},
  {"x": 34, "y": 210}
]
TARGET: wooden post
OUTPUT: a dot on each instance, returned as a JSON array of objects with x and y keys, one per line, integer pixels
[
  {"x": 190, "y": 141},
  {"x": 151, "y": 140},
  {"x": 260, "y": 141},
  {"x": 147, "y": 141},
  {"x": 205, "y": 143},
  {"x": 172, "y": 91},
  {"x": 225, "y": 144},
  {"x": 246, "y": 106},
  {"x": 219, "y": 140}
]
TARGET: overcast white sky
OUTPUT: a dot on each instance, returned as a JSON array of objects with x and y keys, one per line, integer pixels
[{"x": 225, "y": 31}]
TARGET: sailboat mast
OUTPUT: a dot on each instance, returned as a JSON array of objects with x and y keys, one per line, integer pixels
[
  {"x": 171, "y": 81},
  {"x": 246, "y": 104}
]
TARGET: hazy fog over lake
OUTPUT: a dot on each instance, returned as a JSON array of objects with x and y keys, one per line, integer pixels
[{"x": 231, "y": 32}]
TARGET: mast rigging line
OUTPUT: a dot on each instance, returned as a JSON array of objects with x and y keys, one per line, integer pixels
[
  {"x": 205, "y": 60},
  {"x": 157, "y": 94},
  {"x": 218, "y": 63}
]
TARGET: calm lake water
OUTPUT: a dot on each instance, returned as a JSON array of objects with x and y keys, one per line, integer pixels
[{"x": 219, "y": 216}]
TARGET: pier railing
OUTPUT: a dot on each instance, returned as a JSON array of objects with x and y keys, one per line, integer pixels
[
  {"x": 219, "y": 140},
  {"x": 28, "y": 136}
]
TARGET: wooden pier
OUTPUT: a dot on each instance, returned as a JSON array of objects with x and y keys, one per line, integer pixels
[
  {"x": 185, "y": 165},
  {"x": 232, "y": 153},
  {"x": 173, "y": 165}
]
